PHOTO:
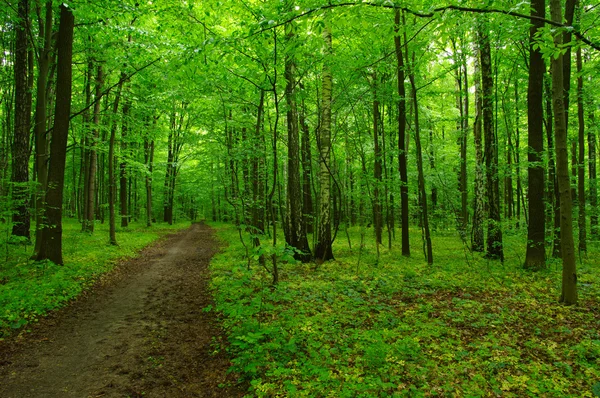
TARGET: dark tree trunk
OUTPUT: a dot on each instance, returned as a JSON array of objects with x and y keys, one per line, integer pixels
[
  {"x": 20, "y": 158},
  {"x": 111, "y": 169},
  {"x": 258, "y": 213},
  {"x": 535, "y": 257},
  {"x": 569, "y": 274},
  {"x": 494, "y": 238},
  {"x": 581, "y": 168},
  {"x": 51, "y": 247},
  {"x": 307, "y": 201},
  {"x": 592, "y": 156},
  {"x": 90, "y": 215},
  {"x": 85, "y": 149},
  {"x": 402, "y": 167},
  {"x": 41, "y": 111},
  {"x": 296, "y": 236},
  {"x": 377, "y": 167},
  {"x": 123, "y": 164}
]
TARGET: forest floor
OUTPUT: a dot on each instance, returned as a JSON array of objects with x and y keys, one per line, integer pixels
[{"x": 140, "y": 332}]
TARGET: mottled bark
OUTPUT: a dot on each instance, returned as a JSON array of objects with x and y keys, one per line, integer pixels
[{"x": 477, "y": 236}]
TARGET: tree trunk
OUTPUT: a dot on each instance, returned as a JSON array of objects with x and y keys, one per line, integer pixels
[
  {"x": 581, "y": 168},
  {"x": 535, "y": 257},
  {"x": 377, "y": 167},
  {"x": 323, "y": 249},
  {"x": 296, "y": 230},
  {"x": 494, "y": 238},
  {"x": 85, "y": 148},
  {"x": 41, "y": 111},
  {"x": 477, "y": 237},
  {"x": 111, "y": 169},
  {"x": 149, "y": 161},
  {"x": 592, "y": 156},
  {"x": 402, "y": 167},
  {"x": 51, "y": 247},
  {"x": 307, "y": 202},
  {"x": 20, "y": 158},
  {"x": 123, "y": 165},
  {"x": 569, "y": 274},
  {"x": 93, "y": 157}
]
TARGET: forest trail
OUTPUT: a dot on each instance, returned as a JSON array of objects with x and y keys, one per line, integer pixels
[{"x": 142, "y": 332}]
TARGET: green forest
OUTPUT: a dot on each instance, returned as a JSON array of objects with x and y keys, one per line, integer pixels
[{"x": 404, "y": 192}]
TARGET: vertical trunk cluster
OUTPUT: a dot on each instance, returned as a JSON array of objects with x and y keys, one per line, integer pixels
[
  {"x": 581, "y": 165},
  {"x": 535, "y": 257},
  {"x": 569, "y": 274},
  {"x": 462, "y": 103},
  {"x": 111, "y": 168},
  {"x": 323, "y": 250},
  {"x": 123, "y": 164},
  {"x": 149, "y": 162},
  {"x": 51, "y": 247},
  {"x": 296, "y": 232},
  {"x": 174, "y": 145},
  {"x": 494, "y": 237},
  {"x": 20, "y": 159},
  {"x": 257, "y": 176},
  {"x": 402, "y": 169}
]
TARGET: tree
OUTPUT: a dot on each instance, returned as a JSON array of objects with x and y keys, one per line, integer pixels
[
  {"x": 569, "y": 275},
  {"x": 494, "y": 239},
  {"x": 323, "y": 249},
  {"x": 20, "y": 163},
  {"x": 535, "y": 257},
  {"x": 51, "y": 247},
  {"x": 296, "y": 230}
]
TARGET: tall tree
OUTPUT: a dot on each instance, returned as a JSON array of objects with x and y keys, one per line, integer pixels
[
  {"x": 377, "y": 166},
  {"x": 581, "y": 166},
  {"x": 477, "y": 235},
  {"x": 494, "y": 237},
  {"x": 402, "y": 155},
  {"x": 20, "y": 160},
  {"x": 535, "y": 257},
  {"x": 323, "y": 249},
  {"x": 296, "y": 236},
  {"x": 41, "y": 106},
  {"x": 51, "y": 247},
  {"x": 569, "y": 273}
]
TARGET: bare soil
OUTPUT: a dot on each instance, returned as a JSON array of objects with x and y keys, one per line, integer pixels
[{"x": 140, "y": 332}]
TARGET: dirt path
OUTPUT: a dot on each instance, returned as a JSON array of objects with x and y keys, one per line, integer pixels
[{"x": 143, "y": 333}]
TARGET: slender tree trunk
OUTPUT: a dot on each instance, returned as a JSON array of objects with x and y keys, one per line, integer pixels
[
  {"x": 494, "y": 238},
  {"x": 402, "y": 164},
  {"x": 90, "y": 215},
  {"x": 377, "y": 167},
  {"x": 111, "y": 169},
  {"x": 149, "y": 161},
  {"x": 592, "y": 156},
  {"x": 569, "y": 274},
  {"x": 20, "y": 158},
  {"x": 323, "y": 249},
  {"x": 41, "y": 111},
  {"x": 477, "y": 238},
  {"x": 307, "y": 201},
  {"x": 535, "y": 257},
  {"x": 123, "y": 164},
  {"x": 51, "y": 247},
  {"x": 296, "y": 229},
  {"x": 581, "y": 168}
]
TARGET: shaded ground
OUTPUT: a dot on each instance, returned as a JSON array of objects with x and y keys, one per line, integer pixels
[{"x": 142, "y": 332}]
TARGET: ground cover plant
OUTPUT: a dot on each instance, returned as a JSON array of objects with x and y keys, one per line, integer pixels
[
  {"x": 29, "y": 289},
  {"x": 395, "y": 326}
]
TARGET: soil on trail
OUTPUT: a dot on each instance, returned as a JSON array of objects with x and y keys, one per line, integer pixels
[{"x": 141, "y": 333}]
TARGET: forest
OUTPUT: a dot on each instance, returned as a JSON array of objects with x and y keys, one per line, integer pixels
[{"x": 404, "y": 193}]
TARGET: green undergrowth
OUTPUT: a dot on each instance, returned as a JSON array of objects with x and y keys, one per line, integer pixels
[
  {"x": 395, "y": 326},
  {"x": 30, "y": 289}
]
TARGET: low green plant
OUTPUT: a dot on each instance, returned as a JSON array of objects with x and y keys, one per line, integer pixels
[{"x": 394, "y": 326}]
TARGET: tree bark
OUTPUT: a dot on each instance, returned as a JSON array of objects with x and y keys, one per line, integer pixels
[
  {"x": 402, "y": 166},
  {"x": 581, "y": 166},
  {"x": 535, "y": 257},
  {"x": 123, "y": 164},
  {"x": 51, "y": 247},
  {"x": 20, "y": 155},
  {"x": 111, "y": 169},
  {"x": 41, "y": 111},
  {"x": 377, "y": 167},
  {"x": 569, "y": 274},
  {"x": 93, "y": 155},
  {"x": 477, "y": 237},
  {"x": 323, "y": 249},
  {"x": 296, "y": 230},
  {"x": 494, "y": 238}
]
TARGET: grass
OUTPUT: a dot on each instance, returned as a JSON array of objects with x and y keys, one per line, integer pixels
[
  {"x": 393, "y": 326},
  {"x": 30, "y": 289}
]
